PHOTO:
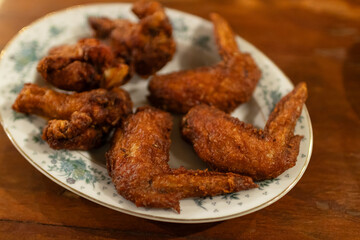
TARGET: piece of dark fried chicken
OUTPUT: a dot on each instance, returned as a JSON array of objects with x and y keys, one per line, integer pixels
[
  {"x": 77, "y": 121},
  {"x": 224, "y": 85},
  {"x": 138, "y": 164},
  {"x": 86, "y": 65},
  {"x": 147, "y": 45},
  {"x": 227, "y": 144}
]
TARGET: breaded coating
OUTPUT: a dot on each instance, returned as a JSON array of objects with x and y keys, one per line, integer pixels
[
  {"x": 77, "y": 121},
  {"x": 138, "y": 164},
  {"x": 147, "y": 45},
  {"x": 227, "y": 144},
  {"x": 86, "y": 65},
  {"x": 224, "y": 85}
]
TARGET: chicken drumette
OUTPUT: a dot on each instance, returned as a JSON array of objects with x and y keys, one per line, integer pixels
[
  {"x": 86, "y": 65},
  {"x": 77, "y": 121},
  {"x": 138, "y": 164},
  {"x": 147, "y": 45},
  {"x": 224, "y": 85},
  {"x": 228, "y": 144}
]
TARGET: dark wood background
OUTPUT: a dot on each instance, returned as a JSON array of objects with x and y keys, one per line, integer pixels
[{"x": 313, "y": 41}]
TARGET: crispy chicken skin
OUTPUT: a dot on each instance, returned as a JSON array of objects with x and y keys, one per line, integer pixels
[
  {"x": 147, "y": 45},
  {"x": 227, "y": 144},
  {"x": 86, "y": 65},
  {"x": 77, "y": 121},
  {"x": 138, "y": 159},
  {"x": 224, "y": 85}
]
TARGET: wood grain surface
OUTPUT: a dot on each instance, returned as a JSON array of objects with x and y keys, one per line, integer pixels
[{"x": 313, "y": 41}]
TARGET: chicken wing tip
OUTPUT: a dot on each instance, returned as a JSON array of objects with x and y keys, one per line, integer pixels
[
  {"x": 224, "y": 36},
  {"x": 215, "y": 16},
  {"x": 301, "y": 89}
]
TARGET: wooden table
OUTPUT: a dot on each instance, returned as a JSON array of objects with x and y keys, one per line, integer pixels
[{"x": 313, "y": 41}]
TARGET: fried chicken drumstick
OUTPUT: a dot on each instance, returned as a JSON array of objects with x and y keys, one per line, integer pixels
[
  {"x": 86, "y": 65},
  {"x": 228, "y": 144},
  {"x": 147, "y": 45},
  {"x": 138, "y": 164},
  {"x": 224, "y": 85},
  {"x": 77, "y": 121}
]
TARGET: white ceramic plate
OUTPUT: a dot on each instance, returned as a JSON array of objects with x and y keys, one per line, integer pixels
[{"x": 84, "y": 173}]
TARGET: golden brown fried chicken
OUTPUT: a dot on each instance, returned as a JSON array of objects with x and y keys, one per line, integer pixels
[
  {"x": 86, "y": 65},
  {"x": 76, "y": 133},
  {"x": 224, "y": 85},
  {"x": 228, "y": 144},
  {"x": 79, "y": 120},
  {"x": 138, "y": 164},
  {"x": 147, "y": 45}
]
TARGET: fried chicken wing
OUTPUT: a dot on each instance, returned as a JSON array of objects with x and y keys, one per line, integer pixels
[
  {"x": 138, "y": 164},
  {"x": 77, "y": 121},
  {"x": 147, "y": 45},
  {"x": 227, "y": 144},
  {"x": 76, "y": 133},
  {"x": 84, "y": 66},
  {"x": 224, "y": 85}
]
